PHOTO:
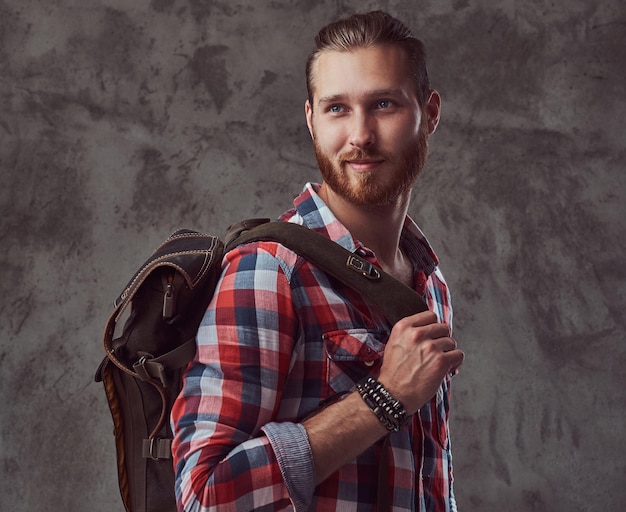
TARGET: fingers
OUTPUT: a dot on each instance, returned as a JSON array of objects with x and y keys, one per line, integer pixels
[
  {"x": 422, "y": 326},
  {"x": 421, "y": 319},
  {"x": 429, "y": 338},
  {"x": 445, "y": 344},
  {"x": 457, "y": 358}
]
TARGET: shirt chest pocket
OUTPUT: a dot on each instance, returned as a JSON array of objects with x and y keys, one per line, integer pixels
[{"x": 351, "y": 355}]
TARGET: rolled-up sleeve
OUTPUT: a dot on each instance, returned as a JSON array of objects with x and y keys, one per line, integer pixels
[{"x": 291, "y": 446}]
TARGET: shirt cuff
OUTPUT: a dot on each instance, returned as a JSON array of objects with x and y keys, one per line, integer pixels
[{"x": 293, "y": 452}]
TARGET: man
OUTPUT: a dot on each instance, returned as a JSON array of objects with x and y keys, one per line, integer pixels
[{"x": 277, "y": 412}]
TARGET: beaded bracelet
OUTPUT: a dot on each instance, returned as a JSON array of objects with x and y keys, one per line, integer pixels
[{"x": 387, "y": 409}]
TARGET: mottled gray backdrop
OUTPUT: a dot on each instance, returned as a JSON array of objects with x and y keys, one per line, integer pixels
[{"x": 122, "y": 120}]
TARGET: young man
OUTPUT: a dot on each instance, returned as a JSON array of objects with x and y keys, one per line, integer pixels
[{"x": 276, "y": 411}]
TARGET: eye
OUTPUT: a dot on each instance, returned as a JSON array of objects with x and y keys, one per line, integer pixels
[
  {"x": 384, "y": 104},
  {"x": 335, "y": 109}
]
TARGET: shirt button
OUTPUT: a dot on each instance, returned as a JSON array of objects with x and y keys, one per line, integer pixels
[{"x": 368, "y": 363}]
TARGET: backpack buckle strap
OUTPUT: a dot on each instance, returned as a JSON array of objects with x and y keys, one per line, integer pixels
[
  {"x": 157, "y": 448},
  {"x": 180, "y": 356},
  {"x": 365, "y": 268},
  {"x": 149, "y": 369}
]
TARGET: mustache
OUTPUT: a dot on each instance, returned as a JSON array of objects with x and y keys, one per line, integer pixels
[{"x": 359, "y": 154}]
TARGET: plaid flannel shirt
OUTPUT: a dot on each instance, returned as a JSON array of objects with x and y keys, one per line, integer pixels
[{"x": 279, "y": 339}]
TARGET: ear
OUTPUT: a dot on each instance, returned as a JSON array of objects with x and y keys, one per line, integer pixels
[
  {"x": 432, "y": 110},
  {"x": 308, "y": 112}
]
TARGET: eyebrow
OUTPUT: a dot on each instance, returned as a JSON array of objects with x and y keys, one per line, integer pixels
[{"x": 378, "y": 93}]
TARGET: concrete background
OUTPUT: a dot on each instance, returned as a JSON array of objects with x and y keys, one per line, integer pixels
[{"x": 123, "y": 120}]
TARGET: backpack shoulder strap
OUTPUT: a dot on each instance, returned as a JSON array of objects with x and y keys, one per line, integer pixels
[{"x": 392, "y": 297}]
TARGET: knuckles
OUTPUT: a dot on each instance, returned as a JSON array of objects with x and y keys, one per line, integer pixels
[
  {"x": 428, "y": 328},
  {"x": 402, "y": 325}
]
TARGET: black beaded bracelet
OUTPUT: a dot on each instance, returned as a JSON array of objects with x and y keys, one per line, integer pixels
[{"x": 387, "y": 409}]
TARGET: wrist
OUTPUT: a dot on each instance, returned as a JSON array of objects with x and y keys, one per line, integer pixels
[{"x": 389, "y": 411}]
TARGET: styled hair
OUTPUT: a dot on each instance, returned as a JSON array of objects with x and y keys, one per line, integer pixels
[{"x": 374, "y": 28}]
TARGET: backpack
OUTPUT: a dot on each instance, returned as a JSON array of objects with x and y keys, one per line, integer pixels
[{"x": 142, "y": 369}]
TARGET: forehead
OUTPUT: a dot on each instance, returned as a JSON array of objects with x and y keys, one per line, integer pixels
[{"x": 357, "y": 71}]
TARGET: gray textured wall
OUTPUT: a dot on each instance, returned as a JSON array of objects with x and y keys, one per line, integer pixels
[{"x": 122, "y": 120}]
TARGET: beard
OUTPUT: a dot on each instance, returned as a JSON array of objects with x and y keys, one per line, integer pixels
[{"x": 373, "y": 189}]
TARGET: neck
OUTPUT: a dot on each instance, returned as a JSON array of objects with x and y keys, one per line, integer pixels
[{"x": 378, "y": 227}]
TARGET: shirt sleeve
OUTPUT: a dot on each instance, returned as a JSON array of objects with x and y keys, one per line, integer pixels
[{"x": 230, "y": 450}]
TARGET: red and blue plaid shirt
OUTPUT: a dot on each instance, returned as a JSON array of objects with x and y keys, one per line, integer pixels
[{"x": 279, "y": 339}]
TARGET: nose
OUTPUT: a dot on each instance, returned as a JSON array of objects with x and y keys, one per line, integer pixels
[{"x": 362, "y": 131}]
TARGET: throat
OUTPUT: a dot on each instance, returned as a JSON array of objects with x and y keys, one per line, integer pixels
[{"x": 402, "y": 270}]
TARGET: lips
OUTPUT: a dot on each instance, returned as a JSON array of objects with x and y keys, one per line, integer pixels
[
  {"x": 364, "y": 165},
  {"x": 362, "y": 161}
]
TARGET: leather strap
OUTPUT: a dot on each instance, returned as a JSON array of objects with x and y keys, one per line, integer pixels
[
  {"x": 393, "y": 298},
  {"x": 150, "y": 368}
]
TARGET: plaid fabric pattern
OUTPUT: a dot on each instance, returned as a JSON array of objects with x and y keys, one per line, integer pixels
[{"x": 279, "y": 340}]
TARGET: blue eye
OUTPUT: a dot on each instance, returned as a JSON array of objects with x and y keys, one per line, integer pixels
[
  {"x": 384, "y": 104},
  {"x": 335, "y": 109}
]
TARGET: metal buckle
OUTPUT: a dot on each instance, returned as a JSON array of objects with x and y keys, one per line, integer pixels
[
  {"x": 365, "y": 268},
  {"x": 157, "y": 448},
  {"x": 147, "y": 366},
  {"x": 153, "y": 449}
]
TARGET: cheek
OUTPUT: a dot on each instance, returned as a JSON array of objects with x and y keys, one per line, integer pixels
[
  {"x": 329, "y": 138},
  {"x": 409, "y": 128},
  {"x": 402, "y": 135}
]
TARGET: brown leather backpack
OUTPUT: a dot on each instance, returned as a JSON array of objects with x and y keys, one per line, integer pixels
[{"x": 168, "y": 295}]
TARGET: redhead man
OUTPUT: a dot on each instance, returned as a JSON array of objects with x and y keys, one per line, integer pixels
[{"x": 286, "y": 406}]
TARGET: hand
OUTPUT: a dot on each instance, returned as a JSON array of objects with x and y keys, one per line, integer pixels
[{"x": 418, "y": 355}]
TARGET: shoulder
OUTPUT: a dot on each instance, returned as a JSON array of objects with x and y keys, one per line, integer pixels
[{"x": 262, "y": 256}]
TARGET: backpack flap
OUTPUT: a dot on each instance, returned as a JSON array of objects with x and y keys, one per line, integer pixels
[{"x": 166, "y": 296}]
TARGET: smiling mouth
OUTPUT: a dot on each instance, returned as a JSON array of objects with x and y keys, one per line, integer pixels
[{"x": 363, "y": 165}]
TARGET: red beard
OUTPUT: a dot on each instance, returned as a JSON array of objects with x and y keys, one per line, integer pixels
[{"x": 372, "y": 189}]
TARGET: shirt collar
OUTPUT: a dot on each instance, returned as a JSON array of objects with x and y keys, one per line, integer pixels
[{"x": 312, "y": 212}]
